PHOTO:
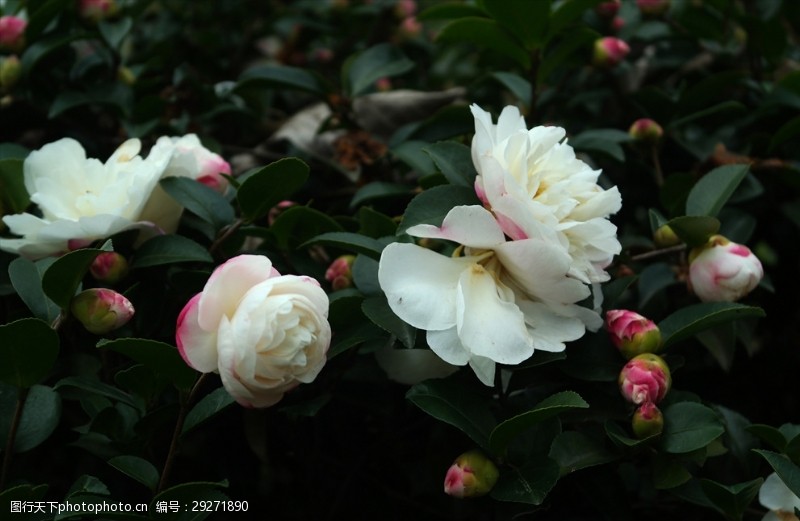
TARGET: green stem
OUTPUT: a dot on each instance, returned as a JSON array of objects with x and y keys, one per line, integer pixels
[
  {"x": 657, "y": 166},
  {"x": 656, "y": 253},
  {"x": 176, "y": 434},
  {"x": 12, "y": 435},
  {"x": 230, "y": 230}
]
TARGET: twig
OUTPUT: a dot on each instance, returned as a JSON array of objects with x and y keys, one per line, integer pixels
[{"x": 656, "y": 253}]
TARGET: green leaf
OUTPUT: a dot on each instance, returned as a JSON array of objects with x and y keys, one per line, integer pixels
[
  {"x": 613, "y": 290},
  {"x": 653, "y": 280},
  {"x": 454, "y": 160},
  {"x": 375, "y": 224},
  {"x": 689, "y": 426},
  {"x": 377, "y": 309},
  {"x": 774, "y": 437},
  {"x": 485, "y": 33},
  {"x": 62, "y": 278},
  {"x": 787, "y": 131},
  {"x": 270, "y": 185},
  {"x": 379, "y": 190},
  {"x": 602, "y": 140},
  {"x": 529, "y": 484},
  {"x": 725, "y": 106},
  {"x": 13, "y": 194},
  {"x": 26, "y": 277},
  {"x": 299, "y": 224},
  {"x": 621, "y": 439},
  {"x": 669, "y": 472},
  {"x": 452, "y": 403},
  {"x": 95, "y": 387},
  {"x": 351, "y": 242},
  {"x": 568, "y": 12},
  {"x": 526, "y": 20},
  {"x": 573, "y": 450},
  {"x": 211, "y": 404},
  {"x": 162, "y": 359},
  {"x": 137, "y": 468},
  {"x": 14, "y": 151},
  {"x": 786, "y": 470},
  {"x": 578, "y": 40},
  {"x": 516, "y": 84},
  {"x": 688, "y": 321},
  {"x": 278, "y": 76},
  {"x": 169, "y": 249},
  {"x": 28, "y": 349},
  {"x": 431, "y": 206},
  {"x": 551, "y": 406},
  {"x": 23, "y": 493},
  {"x": 42, "y": 48},
  {"x": 411, "y": 153},
  {"x": 360, "y": 72},
  {"x": 714, "y": 189},
  {"x": 201, "y": 200},
  {"x": 448, "y": 10},
  {"x": 40, "y": 416},
  {"x": 114, "y": 32},
  {"x": 731, "y": 500},
  {"x": 694, "y": 230}
]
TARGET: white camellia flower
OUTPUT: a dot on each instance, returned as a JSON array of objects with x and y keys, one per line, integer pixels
[
  {"x": 723, "y": 271},
  {"x": 263, "y": 332},
  {"x": 495, "y": 303},
  {"x": 82, "y": 199},
  {"x": 536, "y": 188},
  {"x": 776, "y": 496}
]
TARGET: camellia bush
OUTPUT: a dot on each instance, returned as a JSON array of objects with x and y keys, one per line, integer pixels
[{"x": 398, "y": 259}]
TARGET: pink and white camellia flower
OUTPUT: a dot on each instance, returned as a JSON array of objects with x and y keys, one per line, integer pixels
[
  {"x": 496, "y": 301},
  {"x": 645, "y": 378},
  {"x": 82, "y": 199},
  {"x": 536, "y": 188},
  {"x": 776, "y": 496},
  {"x": 723, "y": 271},
  {"x": 263, "y": 332}
]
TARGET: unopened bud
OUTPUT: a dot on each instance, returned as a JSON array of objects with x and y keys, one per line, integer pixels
[
  {"x": 126, "y": 76},
  {"x": 405, "y": 8},
  {"x": 410, "y": 27},
  {"x": 645, "y": 378},
  {"x": 647, "y": 421},
  {"x": 471, "y": 475},
  {"x": 12, "y": 33},
  {"x": 723, "y": 271},
  {"x": 608, "y": 9},
  {"x": 609, "y": 51},
  {"x": 10, "y": 70},
  {"x": 109, "y": 267},
  {"x": 665, "y": 237},
  {"x": 97, "y": 10},
  {"x": 617, "y": 24},
  {"x": 340, "y": 273},
  {"x": 653, "y": 7},
  {"x": 632, "y": 333},
  {"x": 646, "y": 130},
  {"x": 212, "y": 169},
  {"x": 101, "y": 310}
]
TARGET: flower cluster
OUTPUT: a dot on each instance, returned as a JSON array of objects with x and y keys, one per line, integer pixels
[
  {"x": 82, "y": 200},
  {"x": 524, "y": 260}
]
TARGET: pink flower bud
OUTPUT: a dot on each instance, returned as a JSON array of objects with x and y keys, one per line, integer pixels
[
  {"x": 405, "y": 8},
  {"x": 276, "y": 210},
  {"x": 617, "y": 24},
  {"x": 101, "y": 310},
  {"x": 608, "y": 9},
  {"x": 12, "y": 33},
  {"x": 653, "y": 7},
  {"x": 646, "y": 130},
  {"x": 212, "y": 167},
  {"x": 665, "y": 237},
  {"x": 723, "y": 271},
  {"x": 645, "y": 378},
  {"x": 109, "y": 267},
  {"x": 632, "y": 333},
  {"x": 10, "y": 70},
  {"x": 383, "y": 84},
  {"x": 410, "y": 27},
  {"x": 97, "y": 10},
  {"x": 647, "y": 421},
  {"x": 609, "y": 51},
  {"x": 471, "y": 475},
  {"x": 339, "y": 273}
]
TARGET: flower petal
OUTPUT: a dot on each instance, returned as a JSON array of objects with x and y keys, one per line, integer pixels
[
  {"x": 197, "y": 346},
  {"x": 472, "y": 226},
  {"x": 484, "y": 369},
  {"x": 447, "y": 346},
  {"x": 775, "y": 495}
]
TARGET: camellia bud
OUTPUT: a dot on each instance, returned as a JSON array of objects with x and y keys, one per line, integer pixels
[
  {"x": 12, "y": 33},
  {"x": 646, "y": 130},
  {"x": 97, "y": 10},
  {"x": 609, "y": 51},
  {"x": 410, "y": 27},
  {"x": 471, "y": 475},
  {"x": 339, "y": 273},
  {"x": 211, "y": 170},
  {"x": 652, "y": 7},
  {"x": 10, "y": 70},
  {"x": 608, "y": 9},
  {"x": 645, "y": 378},
  {"x": 405, "y": 8},
  {"x": 632, "y": 333},
  {"x": 278, "y": 209},
  {"x": 109, "y": 267},
  {"x": 647, "y": 421},
  {"x": 665, "y": 237},
  {"x": 723, "y": 271},
  {"x": 101, "y": 310}
]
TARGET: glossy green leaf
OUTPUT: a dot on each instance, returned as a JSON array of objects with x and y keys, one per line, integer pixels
[
  {"x": 454, "y": 160},
  {"x": 669, "y": 472},
  {"x": 161, "y": 358},
  {"x": 529, "y": 484},
  {"x": 571, "y": 47},
  {"x": 769, "y": 434},
  {"x": 694, "y": 230},
  {"x": 64, "y": 276},
  {"x": 114, "y": 32},
  {"x": 201, "y": 200},
  {"x": 112, "y": 94},
  {"x": 299, "y": 224},
  {"x": 379, "y": 190},
  {"x": 551, "y": 406},
  {"x": 622, "y": 439},
  {"x": 351, "y": 242},
  {"x": 67, "y": 387},
  {"x": 449, "y": 401},
  {"x": 689, "y": 426},
  {"x": 137, "y": 468},
  {"x": 381, "y": 61},
  {"x": 412, "y": 153},
  {"x": 14, "y": 196},
  {"x": 270, "y": 185},
  {"x": 211, "y": 404},
  {"x": 526, "y": 20},
  {"x": 516, "y": 84},
  {"x": 786, "y": 470},
  {"x": 280, "y": 77},
  {"x": 375, "y": 224},
  {"x": 485, "y": 33},
  {"x": 688, "y": 321},
  {"x": 573, "y": 450},
  {"x": 603, "y": 141},
  {"x": 731, "y": 500},
  {"x": 28, "y": 349},
  {"x": 377, "y": 309},
  {"x": 169, "y": 249},
  {"x": 653, "y": 280},
  {"x": 714, "y": 189},
  {"x": 720, "y": 108},
  {"x": 613, "y": 290},
  {"x": 44, "y": 47},
  {"x": 431, "y": 206},
  {"x": 40, "y": 416},
  {"x": 789, "y": 130},
  {"x": 26, "y": 277},
  {"x": 567, "y": 13}
]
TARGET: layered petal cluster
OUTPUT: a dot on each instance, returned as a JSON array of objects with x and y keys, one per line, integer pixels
[
  {"x": 495, "y": 302},
  {"x": 263, "y": 332},
  {"x": 537, "y": 188}
]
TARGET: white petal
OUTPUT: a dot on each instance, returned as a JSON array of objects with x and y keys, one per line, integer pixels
[
  {"x": 197, "y": 346},
  {"x": 447, "y": 346},
  {"x": 775, "y": 495},
  {"x": 472, "y": 226},
  {"x": 228, "y": 284},
  {"x": 548, "y": 329},
  {"x": 484, "y": 369}
]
